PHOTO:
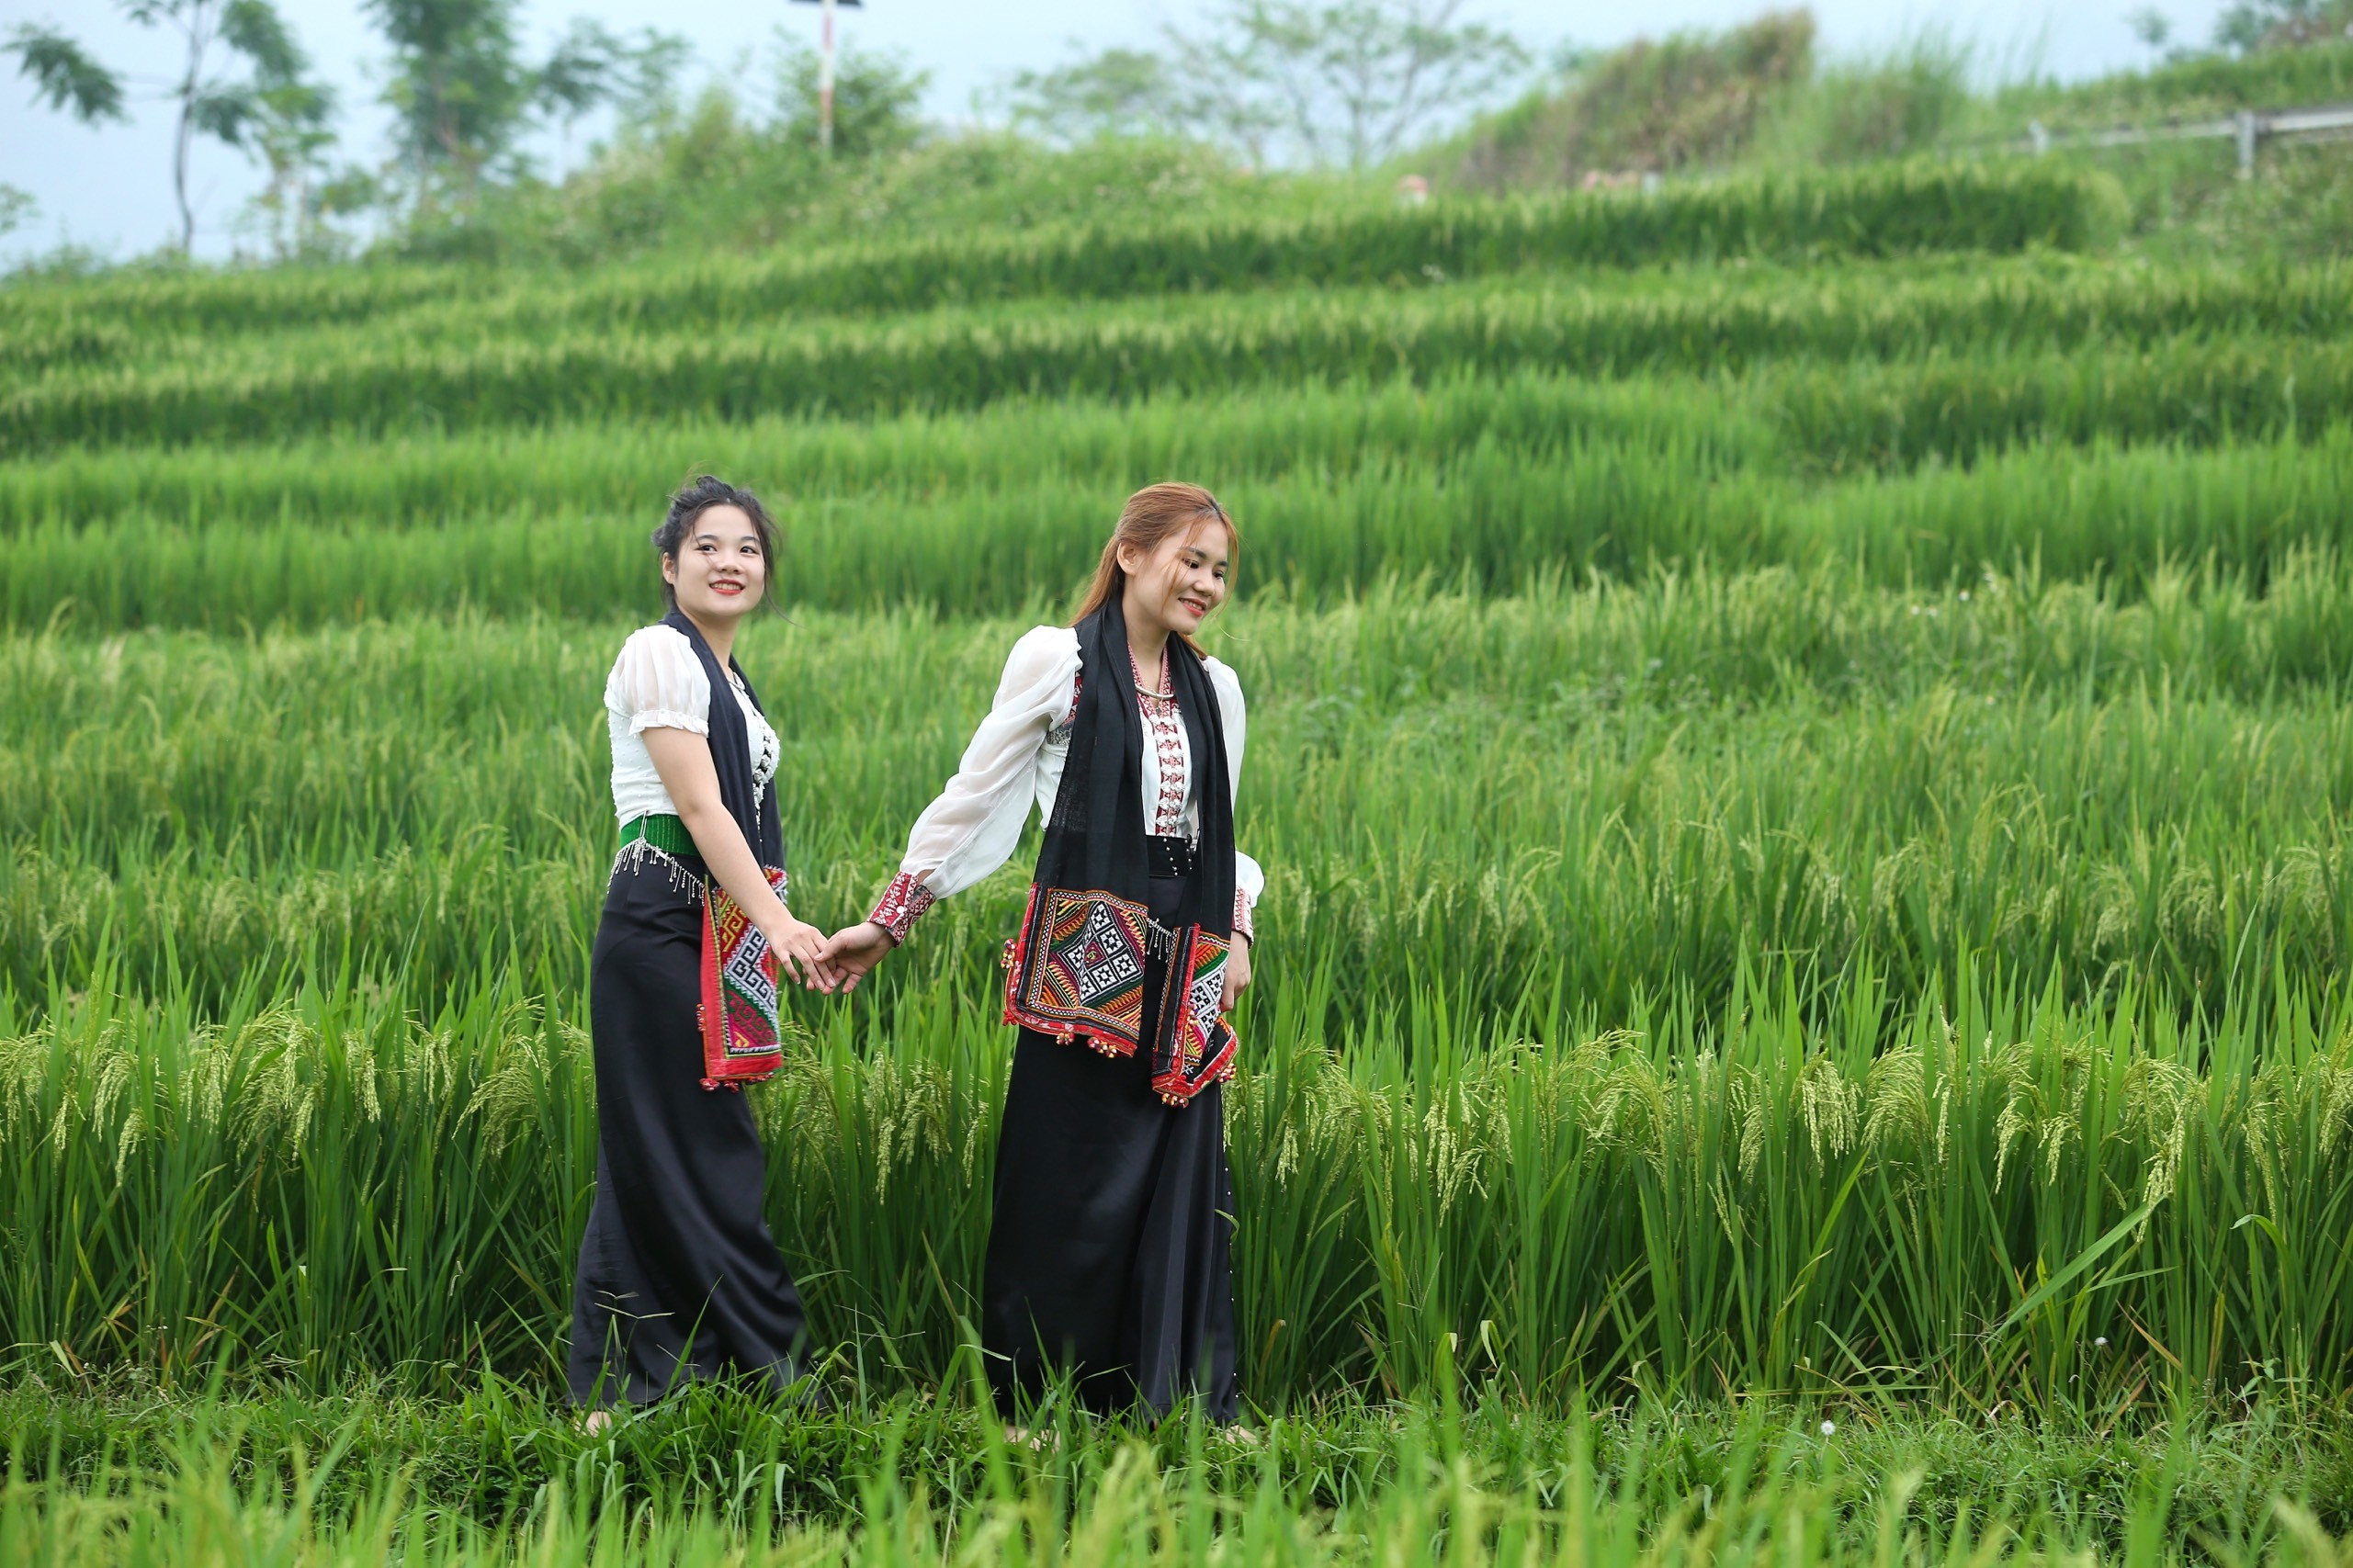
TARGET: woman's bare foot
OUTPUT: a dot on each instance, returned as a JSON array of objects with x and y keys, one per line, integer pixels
[
  {"x": 1239, "y": 1435},
  {"x": 1036, "y": 1443},
  {"x": 596, "y": 1423}
]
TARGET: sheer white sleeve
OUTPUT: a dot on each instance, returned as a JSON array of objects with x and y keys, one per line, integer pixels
[
  {"x": 973, "y": 826},
  {"x": 1250, "y": 881},
  {"x": 658, "y": 683}
]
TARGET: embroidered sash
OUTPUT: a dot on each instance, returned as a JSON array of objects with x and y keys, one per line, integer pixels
[
  {"x": 742, "y": 1034},
  {"x": 1077, "y": 972}
]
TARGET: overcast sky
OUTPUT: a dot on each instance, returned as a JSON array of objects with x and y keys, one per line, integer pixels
[{"x": 110, "y": 188}]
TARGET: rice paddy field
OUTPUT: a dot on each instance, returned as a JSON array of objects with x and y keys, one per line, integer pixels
[{"x": 1798, "y": 732}]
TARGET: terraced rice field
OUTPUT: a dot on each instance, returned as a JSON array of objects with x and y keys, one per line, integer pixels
[{"x": 1796, "y": 734}]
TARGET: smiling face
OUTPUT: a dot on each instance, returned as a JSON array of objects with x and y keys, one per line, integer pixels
[
  {"x": 1175, "y": 586},
  {"x": 720, "y": 571}
]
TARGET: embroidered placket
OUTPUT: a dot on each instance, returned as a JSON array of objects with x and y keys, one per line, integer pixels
[{"x": 1166, "y": 727}]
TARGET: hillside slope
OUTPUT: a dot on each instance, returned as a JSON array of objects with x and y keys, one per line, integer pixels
[{"x": 1763, "y": 96}]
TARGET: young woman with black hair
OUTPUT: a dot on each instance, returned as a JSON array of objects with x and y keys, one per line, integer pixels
[
  {"x": 679, "y": 1278},
  {"x": 1110, "y": 1247}
]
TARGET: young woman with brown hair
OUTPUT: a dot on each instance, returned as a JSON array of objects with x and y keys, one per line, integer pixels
[{"x": 1110, "y": 1247}]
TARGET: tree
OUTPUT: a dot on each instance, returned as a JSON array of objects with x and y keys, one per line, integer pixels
[
  {"x": 66, "y": 75},
  {"x": 1121, "y": 92},
  {"x": 459, "y": 92},
  {"x": 226, "y": 107},
  {"x": 2250, "y": 25},
  {"x": 462, "y": 94},
  {"x": 1344, "y": 84},
  {"x": 2152, "y": 27},
  {"x": 15, "y": 208},
  {"x": 592, "y": 66},
  {"x": 874, "y": 99},
  {"x": 281, "y": 116},
  {"x": 289, "y": 132}
]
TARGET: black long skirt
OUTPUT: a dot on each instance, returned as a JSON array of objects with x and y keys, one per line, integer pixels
[
  {"x": 1110, "y": 1247},
  {"x": 679, "y": 1278}
]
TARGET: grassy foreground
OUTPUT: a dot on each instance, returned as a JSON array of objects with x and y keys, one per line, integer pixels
[{"x": 360, "y": 1479}]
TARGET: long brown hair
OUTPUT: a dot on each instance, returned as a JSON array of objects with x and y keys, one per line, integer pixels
[{"x": 1152, "y": 517}]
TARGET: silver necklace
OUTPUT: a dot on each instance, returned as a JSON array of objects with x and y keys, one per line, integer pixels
[{"x": 1161, "y": 692}]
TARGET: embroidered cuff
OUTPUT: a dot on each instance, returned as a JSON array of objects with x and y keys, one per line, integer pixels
[
  {"x": 901, "y": 904},
  {"x": 1242, "y": 918}
]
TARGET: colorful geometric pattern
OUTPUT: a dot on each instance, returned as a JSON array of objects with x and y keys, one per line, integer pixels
[
  {"x": 1202, "y": 1043},
  {"x": 1077, "y": 969},
  {"x": 1077, "y": 972},
  {"x": 742, "y": 1038}
]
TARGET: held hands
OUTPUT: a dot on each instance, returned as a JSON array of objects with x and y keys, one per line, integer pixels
[
  {"x": 800, "y": 948},
  {"x": 853, "y": 951}
]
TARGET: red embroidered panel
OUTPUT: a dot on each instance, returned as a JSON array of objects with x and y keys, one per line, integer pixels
[
  {"x": 1205, "y": 1046},
  {"x": 1077, "y": 969},
  {"x": 742, "y": 1035}
]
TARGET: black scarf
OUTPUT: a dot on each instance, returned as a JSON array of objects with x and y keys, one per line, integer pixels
[
  {"x": 1094, "y": 844},
  {"x": 730, "y": 740}
]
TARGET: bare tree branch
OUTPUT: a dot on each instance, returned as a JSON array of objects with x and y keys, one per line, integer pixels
[{"x": 1349, "y": 82}]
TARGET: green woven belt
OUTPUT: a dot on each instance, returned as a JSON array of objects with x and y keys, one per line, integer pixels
[{"x": 662, "y": 830}]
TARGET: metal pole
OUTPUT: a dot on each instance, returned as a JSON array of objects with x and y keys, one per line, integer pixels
[
  {"x": 825, "y": 85},
  {"x": 2246, "y": 140}
]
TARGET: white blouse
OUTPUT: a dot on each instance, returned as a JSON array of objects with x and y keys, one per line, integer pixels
[
  {"x": 658, "y": 684},
  {"x": 1015, "y": 762}
]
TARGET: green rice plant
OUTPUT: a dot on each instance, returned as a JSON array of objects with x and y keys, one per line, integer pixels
[
  {"x": 1749, "y": 311},
  {"x": 2196, "y": 85},
  {"x": 1614, "y": 788},
  {"x": 2181, "y": 391},
  {"x": 1905, "y": 209},
  {"x": 32, "y": 346},
  {"x": 620, "y": 469},
  {"x": 116, "y": 309},
  {"x": 1653, "y": 824},
  {"x": 1883, "y": 211},
  {"x": 2018, "y": 1200},
  {"x": 394, "y": 378},
  {"x": 1593, "y": 503},
  {"x": 1486, "y": 514}
]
